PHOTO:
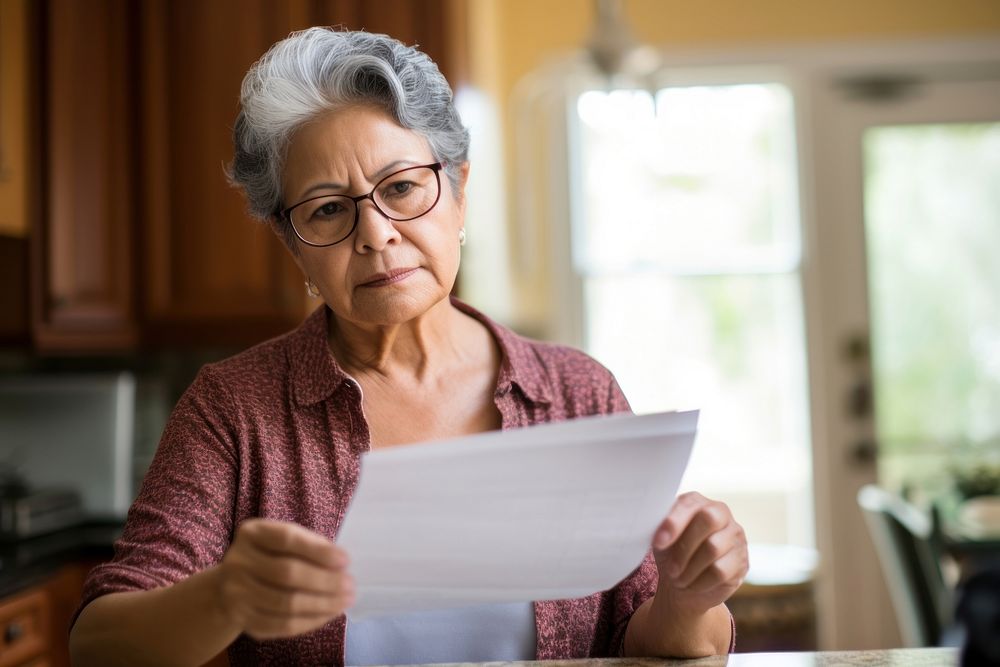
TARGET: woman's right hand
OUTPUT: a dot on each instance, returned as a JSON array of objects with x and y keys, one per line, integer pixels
[{"x": 279, "y": 579}]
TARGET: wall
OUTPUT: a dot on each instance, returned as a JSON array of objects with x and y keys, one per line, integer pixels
[
  {"x": 530, "y": 31},
  {"x": 510, "y": 38}
]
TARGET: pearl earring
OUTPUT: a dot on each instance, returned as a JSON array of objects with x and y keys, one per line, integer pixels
[
  {"x": 311, "y": 289},
  {"x": 461, "y": 236}
]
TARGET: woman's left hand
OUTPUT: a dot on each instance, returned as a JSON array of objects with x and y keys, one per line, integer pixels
[{"x": 700, "y": 552}]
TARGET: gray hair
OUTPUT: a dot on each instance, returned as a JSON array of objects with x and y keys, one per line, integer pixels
[{"x": 321, "y": 69}]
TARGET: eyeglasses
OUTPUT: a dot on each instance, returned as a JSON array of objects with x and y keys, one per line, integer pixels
[{"x": 403, "y": 195}]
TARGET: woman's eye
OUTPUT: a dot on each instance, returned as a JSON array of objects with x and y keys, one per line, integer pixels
[
  {"x": 328, "y": 210},
  {"x": 398, "y": 188}
]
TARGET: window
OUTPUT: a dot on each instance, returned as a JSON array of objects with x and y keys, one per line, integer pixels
[
  {"x": 686, "y": 241},
  {"x": 932, "y": 196}
]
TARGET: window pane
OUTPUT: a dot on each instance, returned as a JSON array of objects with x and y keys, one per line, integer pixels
[
  {"x": 932, "y": 217},
  {"x": 686, "y": 238},
  {"x": 702, "y": 176},
  {"x": 733, "y": 347}
]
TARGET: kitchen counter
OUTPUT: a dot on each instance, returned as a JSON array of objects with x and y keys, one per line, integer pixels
[
  {"x": 918, "y": 657},
  {"x": 27, "y": 562}
]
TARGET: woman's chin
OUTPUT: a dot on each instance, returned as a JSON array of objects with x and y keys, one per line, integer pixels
[{"x": 393, "y": 304}]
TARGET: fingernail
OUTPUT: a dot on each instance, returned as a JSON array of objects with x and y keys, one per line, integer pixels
[{"x": 662, "y": 540}]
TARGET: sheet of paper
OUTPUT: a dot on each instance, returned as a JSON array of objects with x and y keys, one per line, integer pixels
[{"x": 541, "y": 513}]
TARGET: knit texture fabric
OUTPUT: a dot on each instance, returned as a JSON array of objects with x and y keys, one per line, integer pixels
[{"x": 278, "y": 431}]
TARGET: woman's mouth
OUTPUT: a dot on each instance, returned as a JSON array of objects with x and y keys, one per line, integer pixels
[{"x": 387, "y": 278}]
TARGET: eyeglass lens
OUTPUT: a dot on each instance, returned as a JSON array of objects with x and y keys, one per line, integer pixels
[{"x": 401, "y": 196}]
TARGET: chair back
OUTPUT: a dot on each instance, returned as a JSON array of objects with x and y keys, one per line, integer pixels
[{"x": 909, "y": 551}]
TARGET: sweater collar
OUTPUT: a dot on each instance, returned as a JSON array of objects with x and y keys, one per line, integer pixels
[{"x": 316, "y": 375}]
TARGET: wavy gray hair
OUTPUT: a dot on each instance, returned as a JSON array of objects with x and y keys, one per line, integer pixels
[{"x": 321, "y": 69}]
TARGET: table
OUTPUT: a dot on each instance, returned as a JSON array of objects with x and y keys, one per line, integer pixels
[{"x": 912, "y": 657}]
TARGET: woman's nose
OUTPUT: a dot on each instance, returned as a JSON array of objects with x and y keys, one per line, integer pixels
[{"x": 374, "y": 231}]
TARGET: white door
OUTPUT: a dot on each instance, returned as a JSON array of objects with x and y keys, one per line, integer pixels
[{"x": 901, "y": 292}]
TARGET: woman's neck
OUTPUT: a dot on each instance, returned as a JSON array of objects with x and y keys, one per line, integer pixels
[{"x": 414, "y": 350}]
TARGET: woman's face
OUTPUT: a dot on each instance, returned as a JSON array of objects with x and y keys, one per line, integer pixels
[{"x": 385, "y": 272}]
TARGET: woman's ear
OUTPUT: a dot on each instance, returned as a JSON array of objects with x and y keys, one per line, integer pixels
[
  {"x": 464, "y": 176},
  {"x": 463, "y": 180},
  {"x": 287, "y": 236}
]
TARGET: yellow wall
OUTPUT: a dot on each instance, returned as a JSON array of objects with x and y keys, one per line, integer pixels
[
  {"x": 510, "y": 38},
  {"x": 530, "y": 30}
]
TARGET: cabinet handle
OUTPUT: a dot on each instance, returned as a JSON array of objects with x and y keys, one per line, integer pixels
[{"x": 12, "y": 633}]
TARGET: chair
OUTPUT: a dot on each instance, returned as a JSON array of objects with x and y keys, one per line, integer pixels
[{"x": 909, "y": 550}]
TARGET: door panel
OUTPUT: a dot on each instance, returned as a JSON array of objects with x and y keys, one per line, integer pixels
[
  {"x": 932, "y": 222},
  {"x": 83, "y": 284},
  {"x": 845, "y": 421}
]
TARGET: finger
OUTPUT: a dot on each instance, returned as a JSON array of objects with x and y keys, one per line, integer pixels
[
  {"x": 727, "y": 572},
  {"x": 280, "y": 537},
  {"x": 274, "y": 601},
  {"x": 715, "y": 546},
  {"x": 264, "y": 624},
  {"x": 338, "y": 604},
  {"x": 684, "y": 509},
  {"x": 292, "y": 573},
  {"x": 709, "y": 519}
]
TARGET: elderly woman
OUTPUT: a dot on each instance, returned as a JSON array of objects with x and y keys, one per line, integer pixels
[{"x": 349, "y": 145}]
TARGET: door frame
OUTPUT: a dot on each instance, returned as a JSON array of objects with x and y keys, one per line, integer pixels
[
  {"x": 853, "y": 606},
  {"x": 925, "y": 91}
]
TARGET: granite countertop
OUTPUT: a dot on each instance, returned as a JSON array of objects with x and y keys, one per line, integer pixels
[
  {"x": 917, "y": 657},
  {"x": 26, "y": 562}
]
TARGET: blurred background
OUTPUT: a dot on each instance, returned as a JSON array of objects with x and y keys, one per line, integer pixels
[{"x": 785, "y": 214}]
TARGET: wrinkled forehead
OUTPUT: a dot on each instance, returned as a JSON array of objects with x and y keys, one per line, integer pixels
[{"x": 349, "y": 149}]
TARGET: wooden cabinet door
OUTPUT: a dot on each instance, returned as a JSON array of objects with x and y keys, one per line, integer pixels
[
  {"x": 139, "y": 238},
  {"x": 83, "y": 272},
  {"x": 213, "y": 275},
  {"x": 24, "y": 627}
]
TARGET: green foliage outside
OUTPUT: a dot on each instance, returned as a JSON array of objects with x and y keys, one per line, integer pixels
[{"x": 932, "y": 211}]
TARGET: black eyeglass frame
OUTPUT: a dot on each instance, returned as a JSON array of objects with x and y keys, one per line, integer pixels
[{"x": 286, "y": 214}]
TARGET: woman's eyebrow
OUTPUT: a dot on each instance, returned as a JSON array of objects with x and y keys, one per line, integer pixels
[
  {"x": 387, "y": 169},
  {"x": 320, "y": 186},
  {"x": 392, "y": 166}
]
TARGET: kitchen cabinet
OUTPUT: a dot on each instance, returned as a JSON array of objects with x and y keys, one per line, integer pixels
[
  {"x": 212, "y": 273},
  {"x": 15, "y": 117},
  {"x": 14, "y": 323},
  {"x": 15, "y": 165},
  {"x": 83, "y": 269},
  {"x": 140, "y": 241},
  {"x": 24, "y": 622},
  {"x": 34, "y": 622}
]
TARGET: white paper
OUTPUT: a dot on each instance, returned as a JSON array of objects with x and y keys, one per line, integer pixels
[{"x": 541, "y": 513}]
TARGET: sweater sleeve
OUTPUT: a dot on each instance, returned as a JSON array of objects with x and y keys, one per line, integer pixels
[{"x": 182, "y": 520}]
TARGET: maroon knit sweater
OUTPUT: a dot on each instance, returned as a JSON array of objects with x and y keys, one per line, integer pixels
[{"x": 278, "y": 431}]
